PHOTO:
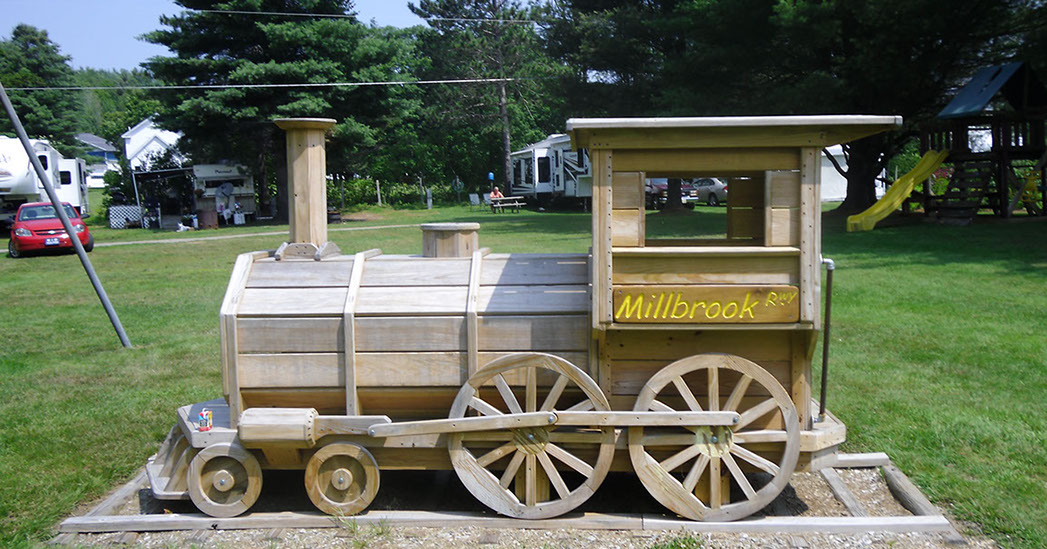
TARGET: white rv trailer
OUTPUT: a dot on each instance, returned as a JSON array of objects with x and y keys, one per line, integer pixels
[
  {"x": 219, "y": 188},
  {"x": 550, "y": 169},
  {"x": 72, "y": 184},
  {"x": 19, "y": 183}
]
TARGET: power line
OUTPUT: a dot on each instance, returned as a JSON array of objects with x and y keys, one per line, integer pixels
[
  {"x": 481, "y": 20},
  {"x": 348, "y": 16},
  {"x": 244, "y": 12},
  {"x": 257, "y": 86}
]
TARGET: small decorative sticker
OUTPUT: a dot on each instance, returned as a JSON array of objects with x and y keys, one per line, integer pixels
[{"x": 205, "y": 420}]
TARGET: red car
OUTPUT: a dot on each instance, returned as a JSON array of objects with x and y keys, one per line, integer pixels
[{"x": 37, "y": 227}]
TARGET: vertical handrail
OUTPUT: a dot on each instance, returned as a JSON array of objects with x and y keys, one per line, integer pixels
[
  {"x": 830, "y": 266},
  {"x": 102, "y": 296}
]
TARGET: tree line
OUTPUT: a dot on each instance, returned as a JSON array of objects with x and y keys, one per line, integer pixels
[{"x": 522, "y": 68}]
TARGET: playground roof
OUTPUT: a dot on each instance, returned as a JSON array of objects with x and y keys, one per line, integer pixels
[{"x": 1016, "y": 81}]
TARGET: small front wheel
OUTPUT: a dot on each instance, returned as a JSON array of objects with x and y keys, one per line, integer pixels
[
  {"x": 341, "y": 479},
  {"x": 224, "y": 480},
  {"x": 13, "y": 252}
]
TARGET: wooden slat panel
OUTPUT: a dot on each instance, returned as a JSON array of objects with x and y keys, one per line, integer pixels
[
  {"x": 412, "y": 300},
  {"x": 352, "y": 403},
  {"x": 289, "y": 335},
  {"x": 629, "y": 376},
  {"x": 784, "y": 189},
  {"x": 745, "y": 222},
  {"x": 471, "y": 344},
  {"x": 810, "y": 235},
  {"x": 784, "y": 229},
  {"x": 572, "y": 299},
  {"x": 231, "y": 303},
  {"x": 601, "y": 249},
  {"x": 396, "y": 402},
  {"x": 626, "y": 227},
  {"x": 292, "y": 273},
  {"x": 706, "y": 270},
  {"x": 802, "y": 345},
  {"x": 745, "y": 193},
  {"x": 417, "y": 271},
  {"x": 496, "y": 333},
  {"x": 522, "y": 270},
  {"x": 292, "y": 302},
  {"x": 444, "y": 300},
  {"x": 536, "y": 333},
  {"x": 627, "y": 190},
  {"x": 410, "y": 334},
  {"x": 758, "y": 346},
  {"x": 326, "y": 370},
  {"x": 708, "y": 162}
]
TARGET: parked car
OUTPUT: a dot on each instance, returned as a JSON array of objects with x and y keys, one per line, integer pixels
[
  {"x": 657, "y": 190},
  {"x": 37, "y": 227},
  {"x": 711, "y": 191}
]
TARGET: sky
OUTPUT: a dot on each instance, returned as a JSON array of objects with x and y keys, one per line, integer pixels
[{"x": 102, "y": 34}]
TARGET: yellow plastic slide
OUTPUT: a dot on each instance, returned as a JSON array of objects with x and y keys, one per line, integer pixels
[{"x": 899, "y": 191}]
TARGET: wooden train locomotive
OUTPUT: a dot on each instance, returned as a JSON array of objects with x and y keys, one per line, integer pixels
[{"x": 687, "y": 361}]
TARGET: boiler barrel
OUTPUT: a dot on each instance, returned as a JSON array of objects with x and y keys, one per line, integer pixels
[{"x": 410, "y": 325}]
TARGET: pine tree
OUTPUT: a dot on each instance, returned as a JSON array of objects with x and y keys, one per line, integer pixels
[
  {"x": 30, "y": 59},
  {"x": 246, "y": 49}
]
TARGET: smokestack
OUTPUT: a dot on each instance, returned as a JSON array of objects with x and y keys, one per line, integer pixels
[{"x": 307, "y": 177}]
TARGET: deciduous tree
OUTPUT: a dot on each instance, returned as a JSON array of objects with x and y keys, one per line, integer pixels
[
  {"x": 713, "y": 57},
  {"x": 480, "y": 40}
]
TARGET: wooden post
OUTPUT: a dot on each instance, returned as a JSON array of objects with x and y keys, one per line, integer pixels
[
  {"x": 450, "y": 239},
  {"x": 306, "y": 173}
]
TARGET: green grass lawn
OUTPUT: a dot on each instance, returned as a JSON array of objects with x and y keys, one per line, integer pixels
[{"x": 938, "y": 355}]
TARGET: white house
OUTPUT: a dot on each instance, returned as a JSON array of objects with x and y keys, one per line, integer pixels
[{"x": 145, "y": 141}]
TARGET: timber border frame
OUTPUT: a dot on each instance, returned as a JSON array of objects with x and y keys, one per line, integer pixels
[{"x": 926, "y": 517}]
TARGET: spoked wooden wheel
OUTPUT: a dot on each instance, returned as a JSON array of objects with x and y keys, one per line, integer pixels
[
  {"x": 224, "y": 480},
  {"x": 341, "y": 479},
  {"x": 685, "y": 468},
  {"x": 511, "y": 470}
]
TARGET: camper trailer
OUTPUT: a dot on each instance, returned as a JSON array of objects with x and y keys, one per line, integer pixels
[
  {"x": 550, "y": 169},
  {"x": 19, "y": 183},
  {"x": 222, "y": 188},
  {"x": 72, "y": 187}
]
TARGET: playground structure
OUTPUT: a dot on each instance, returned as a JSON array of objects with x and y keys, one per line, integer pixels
[
  {"x": 985, "y": 142},
  {"x": 898, "y": 193},
  {"x": 686, "y": 361}
]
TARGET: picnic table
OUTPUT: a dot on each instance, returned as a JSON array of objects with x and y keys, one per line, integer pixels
[{"x": 500, "y": 204}]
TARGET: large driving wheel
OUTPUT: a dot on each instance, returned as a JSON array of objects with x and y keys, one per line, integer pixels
[
  {"x": 687, "y": 468},
  {"x": 511, "y": 470},
  {"x": 341, "y": 479},
  {"x": 224, "y": 480}
]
